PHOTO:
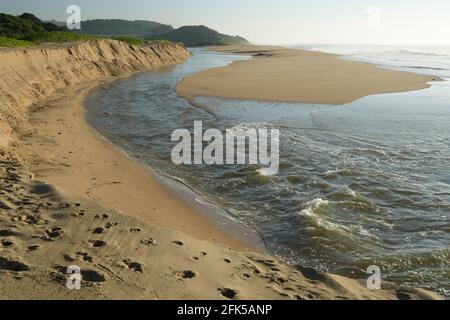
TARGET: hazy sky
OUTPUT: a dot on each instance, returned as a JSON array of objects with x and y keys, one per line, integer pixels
[{"x": 275, "y": 21}]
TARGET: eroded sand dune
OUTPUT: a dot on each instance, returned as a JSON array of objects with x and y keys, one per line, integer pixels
[{"x": 27, "y": 75}]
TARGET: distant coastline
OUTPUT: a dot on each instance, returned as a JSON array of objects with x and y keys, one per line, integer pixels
[
  {"x": 192, "y": 36},
  {"x": 27, "y": 29}
]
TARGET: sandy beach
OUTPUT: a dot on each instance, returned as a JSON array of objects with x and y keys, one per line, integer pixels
[
  {"x": 293, "y": 75},
  {"x": 70, "y": 198}
]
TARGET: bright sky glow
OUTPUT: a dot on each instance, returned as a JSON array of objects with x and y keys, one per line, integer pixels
[{"x": 398, "y": 22}]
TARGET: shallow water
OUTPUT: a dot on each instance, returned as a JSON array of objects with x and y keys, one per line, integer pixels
[
  {"x": 360, "y": 184},
  {"x": 433, "y": 60}
]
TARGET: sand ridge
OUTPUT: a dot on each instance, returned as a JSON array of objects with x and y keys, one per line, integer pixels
[{"x": 294, "y": 75}]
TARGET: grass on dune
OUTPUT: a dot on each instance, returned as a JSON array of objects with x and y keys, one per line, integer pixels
[
  {"x": 60, "y": 37},
  {"x": 162, "y": 41},
  {"x": 14, "y": 43},
  {"x": 131, "y": 40},
  {"x": 57, "y": 36}
]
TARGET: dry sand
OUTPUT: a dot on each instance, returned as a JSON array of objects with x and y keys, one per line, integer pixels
[
  {"x": 67, "y": 197},
  {"x": 291, "y": 75}
]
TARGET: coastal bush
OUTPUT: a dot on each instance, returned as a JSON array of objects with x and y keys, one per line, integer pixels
[
  {"x": 12, "y": 26},
  {"x": 47, "y": 26},
  {"x": 27, "y": 30},
  {"x": 194, "y": 36},
  {"x": 123, "y": 28},
  {"x": 24, "y": 25}
]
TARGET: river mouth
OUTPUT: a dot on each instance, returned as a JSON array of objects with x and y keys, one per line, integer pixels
[{"x": 361, "y": 184}]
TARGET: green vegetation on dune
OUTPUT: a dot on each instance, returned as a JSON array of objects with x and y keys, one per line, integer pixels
[
  {"x": 130, "y": 40},
  {"x": 57, "y": 36},
  {"x": 12, "y": 43},
  {"x": 12, "y": 26},
  {"x": 47, "y": 26},
  {"x": 163, "y": 41},
  {"x": 27, "y": 29},
  {"x": 24, "y": 25}
]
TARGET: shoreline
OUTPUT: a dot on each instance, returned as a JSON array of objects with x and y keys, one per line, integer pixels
[
  {"x": 294, "y": 75},
  {"x": 114, "y": 179},
  {"x": 240, "y": 237}
]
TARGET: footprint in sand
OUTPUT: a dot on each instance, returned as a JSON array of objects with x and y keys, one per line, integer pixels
[
  {"x": 97, "y": 243},
  {"x": 8, "y": 233},
  {"x": 103, "y": 216},
  {"x": 133, "y": 265},
  {"x": 13, "y": 265},
  {"x": 203, "y": 254},
  {"x": 403, "y": 295},
  {"x": 32, "y": 248},
  {"x": 69, "y": 257},
  {"x": 7, "y": 243},
  {"x": 149, "y": 242},
  {"x": 110, "y": 225},
  {"x": 98, "y": 230},
  {"x": 81, "y": 213},
  {"x": 92, "y": 276},
  {"x": 55, "y": 232},
  {"x": 134, "y": 230},
  {"x": 185, "y": 274},
  {"x": 30, "y": 219},
  {"x": 84, "y": 256},
  {"x": 178, "y": 243},
  {"x": 228, "y": 293},
  {"x": 41, "y": 188}
]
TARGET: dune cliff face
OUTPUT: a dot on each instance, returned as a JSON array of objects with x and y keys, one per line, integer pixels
[{"x": 27, "y": 75}]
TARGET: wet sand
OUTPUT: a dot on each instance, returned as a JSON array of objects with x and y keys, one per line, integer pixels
[{"x": 293, "y": 75}]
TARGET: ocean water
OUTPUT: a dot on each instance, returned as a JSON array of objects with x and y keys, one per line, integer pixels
[
  {"x": 366, "y": 183},
  {"x": 418, "y": 59}
]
